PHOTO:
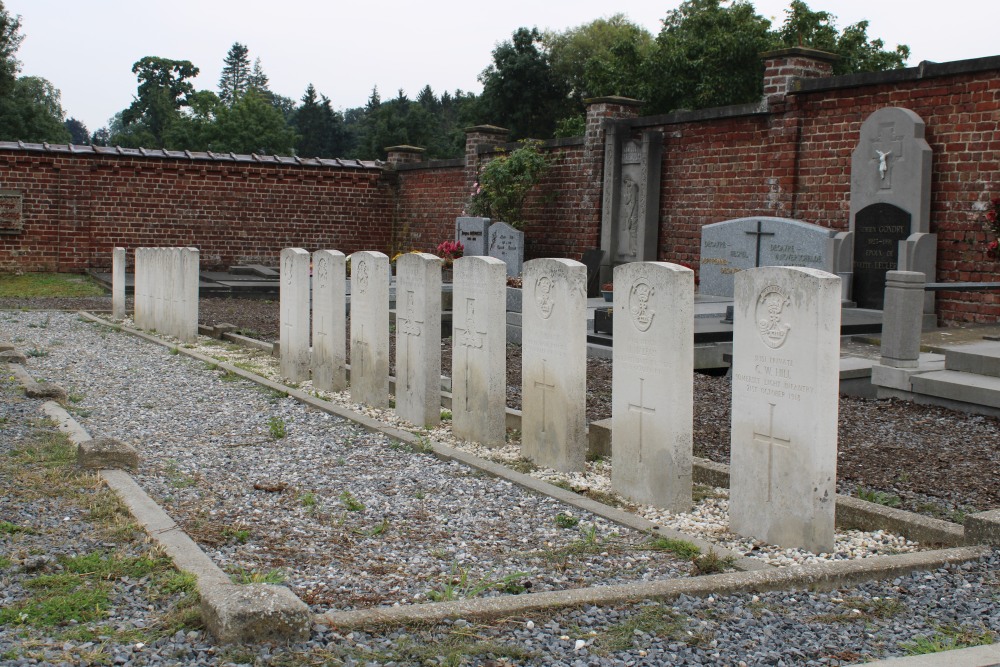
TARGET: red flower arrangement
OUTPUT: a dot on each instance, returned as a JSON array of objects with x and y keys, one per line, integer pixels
[
  {"x": 993, "y": 227},
  {"x": 449, "y": 251}
]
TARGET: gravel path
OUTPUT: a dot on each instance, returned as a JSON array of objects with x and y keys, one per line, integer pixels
[{"x": 325, "y": 514}]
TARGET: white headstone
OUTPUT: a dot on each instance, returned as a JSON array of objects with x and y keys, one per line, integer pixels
[
  {"x": 370, "y": 328},
  {"x": 418, "y": 338},
  {"x": 554, "y": 364},
  {"x": 652, "y": 384},
  {"x": 118, "y": 284},
  {"x": 479, "y": 351},
  {"x": 140, "y": 299},
  {"x": 294, "y": 308},
  {"x": 786, "y": 372},
  {"x": 188, "y": 271},
  {"x": 329, "y": 362},
  {"x": 166, "y": 291}
]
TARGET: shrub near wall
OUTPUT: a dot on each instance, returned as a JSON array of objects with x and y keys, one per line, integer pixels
[{"x": 78, "y": 206}]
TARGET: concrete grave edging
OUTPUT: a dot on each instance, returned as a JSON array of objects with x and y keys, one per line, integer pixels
[
  {"x": 753, "y": 575},
  {"x": 233, "y": 613}
]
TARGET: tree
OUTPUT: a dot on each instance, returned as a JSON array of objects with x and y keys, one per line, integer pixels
[
  {"x": 252, "y": 125},
  {"x": 520, "y": 89},
  {"x": 235, "y": 79},
  {"x": 32, "y": 112},
  {"x": 10, "y": 42},
  {"x": 321, "y": 129},
  {"x": 708, "y": 55},
  {"x": 258, "y": 80},
  {"x": 817, "y": 30},
  {"x": 77, "y": 131},
  {"x": 163, "y": 89},
  {"x": 604, "y": 57}
]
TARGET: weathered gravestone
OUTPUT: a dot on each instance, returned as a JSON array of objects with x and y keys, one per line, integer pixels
[
  {"x": 472, "y": 234},
  {"x": 732, "y": 246},
  {"x": 166, "y": 288},
  {"x": 630, "y": 212},
  {"x": 329, "y": 367},
  {"x": 294, "y": 307},
  {"x": 370, "y": 328},
  {"x": 479, "y": 345},
  {"x": 507, "y": 245},
  {"x": 890, "y": 204},
  {"x": 118, "y": 284},
  {"x": 554, "y": 364},
  {"x": 418, "y": 338},
  {"x": 786, "y": 370},
  {"x": 652, "y": 389}
]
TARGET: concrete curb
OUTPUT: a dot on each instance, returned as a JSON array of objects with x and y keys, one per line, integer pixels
[
  {"x": 35, "y": 389},
  {"x": 232, "y": 613},
  {"x": 755, "y": 576}
]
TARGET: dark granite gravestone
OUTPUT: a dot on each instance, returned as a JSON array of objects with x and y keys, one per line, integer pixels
[
  {"x": 878, "y": 229},
  {"x": 592, "y": 260}
]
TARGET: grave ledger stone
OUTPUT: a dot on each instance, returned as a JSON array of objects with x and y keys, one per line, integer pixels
[
  {"x": 370, "y": 328},
  {"x": 784, "y": 411},
  {"x": 554, "y": 364},
  {"x": 479, "y": 344},
  {"x": 329, "y": 367},
  {"x": 294, "y": 307},
  {"x": 891, "y": 205},
  {"x": 507, "y": 245},
  {"x": 472, "y": 234},
  {"x": 732, "y": 246},
  {"x": 418, "y": 338},
  {"x": 652, "y": 390}
]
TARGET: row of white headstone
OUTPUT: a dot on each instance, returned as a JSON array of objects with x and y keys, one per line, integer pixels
[
  {"x": 785, "y": 371},
  {"x": 166, "y": 290}
]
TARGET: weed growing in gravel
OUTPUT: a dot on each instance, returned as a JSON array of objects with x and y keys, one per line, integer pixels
[
  {"x": 680, "y": 548},
  {"x": 308, "y": 500},
  {"x": 245, "y": 576},
  {"x": 879, "y": 497},
  {"x": 566, "y": 521},
  {"x": 523, "y": 465},
  {"x": 654, "y": 620},
  {"x": 5, "y": 563},
  {"x": 36, "y": 352},
  {"x": 211, "y": 366},
  {"x": 423, "y": 445},
  {"x": 712, "y": 563},
  {"x": 43, "y": 325},
  {"x": 176, "y": 477},
  {"x": 174, "y": 350},
  {"x": 374, "y": 531},
  {"x": 459, "y": 586},
  {"x": 459, "y": 647},
  {"x": 241, "y": 535},
  {"x": 351, "y": 503},
  {"x": 108, "y": 511},
  {"x": 75, "y": 397},
  {"x": 947, "y": 638},
  {"x": 276, "y": 427},
  {"x": 8, "y": 528}
]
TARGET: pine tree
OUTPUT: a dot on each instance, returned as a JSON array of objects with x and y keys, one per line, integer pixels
[{"x": 235, "y": 79}]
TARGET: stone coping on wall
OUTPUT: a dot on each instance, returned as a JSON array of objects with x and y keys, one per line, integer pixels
[
  {"x": 253, "y": 158},
  {"x": 925, "y": 70}
]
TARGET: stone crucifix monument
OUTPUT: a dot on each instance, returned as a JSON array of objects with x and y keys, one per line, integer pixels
[
  {"x": 891, "y": 204},
  {"x": 786, "y": 372}
]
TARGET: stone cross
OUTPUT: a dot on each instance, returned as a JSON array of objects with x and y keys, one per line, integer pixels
[
  {"x": 418, "y": 339},
  {"x": 887, "y": 147},
  {"x": 641, "y": 409},
  {"x": 770, "y": 440},
  {"x": 545, "y": 388},
  {"x": 409, "y": 326},
  {"x": 758, "y": 234}
]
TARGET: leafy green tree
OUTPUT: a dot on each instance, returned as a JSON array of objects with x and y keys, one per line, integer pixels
[
  {"x": 10, "y": 42},
  {"x": 235, "y": 79},
  {"x": 505, "y": 182},
  {"x": 77, "y": 131},
  {"x": 520, "y": 89},
  {"x": 252, "y": 125},
  {"x": 32, "y": 112},
  {"x": 163, "y": 90},
  {"x": 707, "y": 55},
  {"x": 804, "y": 27},
  {"x": 603, "y": 57},
  {"x": 321, "y": 129}
]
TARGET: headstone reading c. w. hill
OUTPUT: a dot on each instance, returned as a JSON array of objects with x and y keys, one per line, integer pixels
[
  {"x": 418, "y": 338},
  {"x": 370, "y": 328},
  {"x": 786, "y": 354}
]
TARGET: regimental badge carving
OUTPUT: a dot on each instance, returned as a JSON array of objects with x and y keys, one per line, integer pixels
[
  {"x": 362, "y": 276},
  {"x": 639, "y": 305},
  {"x": 323, "y": 272},
  {"x": 544, "y": 298},
  {"x": 771, "y": 326},
  {"x": 287, "y": 270}
]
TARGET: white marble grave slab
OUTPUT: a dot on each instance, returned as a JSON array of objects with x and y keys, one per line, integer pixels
[
  {"x": 118, "y": 284},
  {"x": 329, "y": 321},
  {"x": 479, "y": 343},
  {"x": 652, "y": 384},
  {"x": 418, "y": 338},
  {"x": 786, "y": 371},
  {"x": 294, "y": 308},
  {"x": 370, "y": 328},
  {"x": 554, "y": 364}
]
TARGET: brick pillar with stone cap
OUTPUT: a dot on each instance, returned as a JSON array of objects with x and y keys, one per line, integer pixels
[
  {"x": 783, "y": 67},
  {"x": 404, "y": 155},
  {"x": 477, "y": 138}
]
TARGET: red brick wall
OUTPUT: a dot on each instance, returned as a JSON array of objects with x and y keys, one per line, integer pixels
[
  {"x": 427, "y": 203},
  {"x": 78, "y": 207}
]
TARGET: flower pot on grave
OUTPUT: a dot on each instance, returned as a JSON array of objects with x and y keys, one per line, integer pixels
[{"x": 609, "y": 295}]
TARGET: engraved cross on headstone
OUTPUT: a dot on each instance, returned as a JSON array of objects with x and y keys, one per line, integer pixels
[
  {"x": 469, "y": 338},
  {"x": 359, "y": 344},
  {"x": 770, "y": 440},
  {"x": 887, "y": 147},
  {"x": 409, "y": 326},
  {"x": 641, "y": 409},
  {"x": 758, "y": 234},
  {"x": 545, "y": 389}
]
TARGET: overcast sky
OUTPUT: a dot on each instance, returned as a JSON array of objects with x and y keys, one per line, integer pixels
[{"x": 86, "y": 48}]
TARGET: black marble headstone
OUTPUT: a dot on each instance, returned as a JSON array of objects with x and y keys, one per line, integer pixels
[
  {"x": 878, "y": 229},
  {"x": 592, "y": 259}
]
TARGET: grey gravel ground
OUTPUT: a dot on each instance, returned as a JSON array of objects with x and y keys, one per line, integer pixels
[{"x": 208, "y": 442}]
